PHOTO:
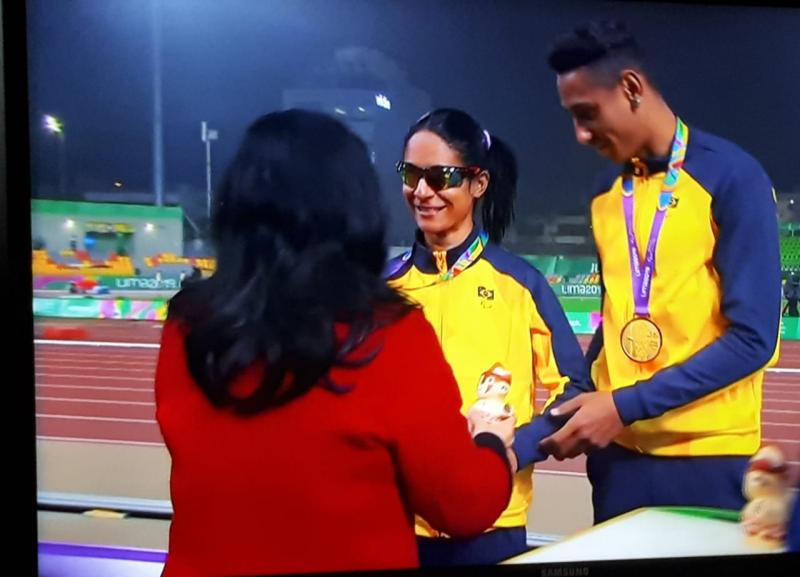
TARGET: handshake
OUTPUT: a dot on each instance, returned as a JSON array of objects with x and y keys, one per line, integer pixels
[{"x": 491, "y": 414}]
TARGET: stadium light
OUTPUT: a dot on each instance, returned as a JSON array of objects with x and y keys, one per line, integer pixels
[{"x": 54, "y": 126}]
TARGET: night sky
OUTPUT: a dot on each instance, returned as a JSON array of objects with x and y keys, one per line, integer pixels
[{"x": 734, "y": 71}]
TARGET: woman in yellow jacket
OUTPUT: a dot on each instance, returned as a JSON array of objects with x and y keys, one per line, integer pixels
[{"x": 495, "y": 315}]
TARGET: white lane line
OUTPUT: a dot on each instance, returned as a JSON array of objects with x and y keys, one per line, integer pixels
[
  {"x": 89, "y": 387},
  {"x": 108, "y": 419},
  {"x": 78, "y": 376},
  {"x": 97, "y": 344},
  {"x": 106, "y": 441},
  {"x": 101, "y": 401}
]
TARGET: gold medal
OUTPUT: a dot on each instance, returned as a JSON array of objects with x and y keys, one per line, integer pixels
[{"x": 641, "y": 340}]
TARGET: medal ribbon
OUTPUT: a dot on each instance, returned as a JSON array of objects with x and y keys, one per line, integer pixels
[
  {"x": 467, "y": 257},
  {"x": 470, "y": 255},
  {"x": 642, "y": 272}
]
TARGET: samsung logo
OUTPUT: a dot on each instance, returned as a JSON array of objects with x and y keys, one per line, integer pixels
[{"x": 565, "y": 572}]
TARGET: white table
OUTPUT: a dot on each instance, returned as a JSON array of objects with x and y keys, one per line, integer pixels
[{"x": 651, "y": 533}]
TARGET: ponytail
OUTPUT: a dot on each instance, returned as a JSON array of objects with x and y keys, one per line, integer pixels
[{"x": 497, "y": 210}]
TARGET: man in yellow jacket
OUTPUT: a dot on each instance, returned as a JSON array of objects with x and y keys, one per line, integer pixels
[{"x": 687, "y": 237}]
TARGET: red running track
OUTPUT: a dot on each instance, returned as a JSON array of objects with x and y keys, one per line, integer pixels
[{"x": 97, "y": 392}]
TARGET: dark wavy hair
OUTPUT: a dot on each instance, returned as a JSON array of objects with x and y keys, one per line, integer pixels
[
  {"x": 299, "y": 232},
  {"x": 478, "y": 148}
]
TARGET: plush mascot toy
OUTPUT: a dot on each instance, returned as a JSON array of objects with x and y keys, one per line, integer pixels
[
  {"x": 492, "y": 390},
  {"x": 766, "y": 487}
]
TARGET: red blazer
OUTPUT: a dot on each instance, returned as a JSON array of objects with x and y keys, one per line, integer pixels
[{"x": 331, "y": 481}]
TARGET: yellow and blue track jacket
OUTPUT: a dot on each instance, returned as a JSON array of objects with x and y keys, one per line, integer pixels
[
  {"x": 499, "y": 309},
  {"x": 716, "y": 296}
]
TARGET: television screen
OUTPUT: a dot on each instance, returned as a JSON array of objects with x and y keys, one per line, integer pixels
[{"x": 122, "y": 118}]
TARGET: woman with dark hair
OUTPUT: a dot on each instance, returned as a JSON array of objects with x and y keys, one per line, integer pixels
[
  {"x": 494, "y": 314},
  {"x": 295, "y": 389}
]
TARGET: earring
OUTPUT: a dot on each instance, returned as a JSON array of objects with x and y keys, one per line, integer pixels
[{"x": 636, "y": 101}]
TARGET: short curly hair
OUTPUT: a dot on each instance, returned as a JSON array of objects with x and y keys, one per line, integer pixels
[{"x": 606, "y": 47}]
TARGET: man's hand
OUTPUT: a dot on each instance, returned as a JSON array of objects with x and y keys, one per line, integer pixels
[{"x": 594, "y": 424}]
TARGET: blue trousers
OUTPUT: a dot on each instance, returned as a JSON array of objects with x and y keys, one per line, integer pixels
[
  {"x": 485, "y": 549},
  {"x": 623, "y": 480},
  {"x": 793, "y": 532}
]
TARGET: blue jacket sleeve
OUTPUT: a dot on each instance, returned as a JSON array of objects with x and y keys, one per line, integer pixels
[
  {"x": 571, "y": 363},
  {"x": 747, "y": 258}
]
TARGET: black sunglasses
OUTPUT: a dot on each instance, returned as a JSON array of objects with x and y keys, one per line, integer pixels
[{"x": 437, "y": 177}]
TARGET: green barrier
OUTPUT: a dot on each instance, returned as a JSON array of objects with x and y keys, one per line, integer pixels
[
  {"x": 790, "y": 328},
  {"x": 544, "y": 263},
  {"x": 583, "y": 323},
  {"x": 573, "y": 266},
  {"x": 789, "y": 228},
  {"x": 561, "y": 265},
  {"x": 573, "y": 304},
  {"x": 127, "y": 283},
  {"x": 105, "y": 210},
  {"x": 73, "y": 308},
  {"x": 583, "y": 314},
  {"x": 89, "y": 308}
]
